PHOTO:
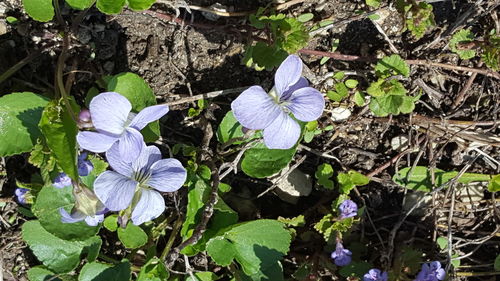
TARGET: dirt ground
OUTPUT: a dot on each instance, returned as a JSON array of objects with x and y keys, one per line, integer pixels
[{"x": 180, "y": 60}]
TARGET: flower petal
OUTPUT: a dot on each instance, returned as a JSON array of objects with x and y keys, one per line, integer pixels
[
  {"x": 255, "y": 109},
  {"x": 116, "y": 161},
  {"x": 150, "y": 206},
  {"x": 167, "y": 175},
  {"x": 283, "y": 133},
  {"x": 288, "y": 74},
  {"x": 307, "y": 104},
  {"x": 148, "y": 115},
  {"x": 95, "y": 142},
  {"x": 95, "y": 220},
  {"x": 130, "y": 145},
  {"x": 114, "y": 190},
  {"x": 148, "y": 156},
  {"x": 109, "y": 112},
  {"x": 302, "y": 83},
  {"x": 71, "y": 218},
  {"x": 440, "y": 274}
]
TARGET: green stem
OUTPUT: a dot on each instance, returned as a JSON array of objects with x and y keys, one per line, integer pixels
[{"x": 171, "y": 239}]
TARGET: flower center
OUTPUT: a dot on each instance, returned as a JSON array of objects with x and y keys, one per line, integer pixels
[
  {"x": 279, "y": 101},
  {"x": 142, "y": 176}
]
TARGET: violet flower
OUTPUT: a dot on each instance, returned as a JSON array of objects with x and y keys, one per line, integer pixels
[
  {"x": 257, "y": 110},
  {"x": 341, "y": 256},
  {"x": 114, "y": 122},
  {"x": 137, "y": 184},
  {"x": 375, "y": 275},
  {"x": 348, "y": 209},
  {"x": 21, "y": 195},
  {"x": 84, "y": 166},
  {"x": 62, "y": 180},
  {"x": 85, "y": 119},
  {"x": 76, "y": 216},
  {"x": 431, "y": 272}
]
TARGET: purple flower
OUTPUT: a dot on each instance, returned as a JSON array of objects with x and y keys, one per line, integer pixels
[
  {"x": 84, "y": 165},
  {"x": 348, "y": 209},
  {"x": 431, "y": 272},
  {"x": 62, "y": 180},
  {"x": 257, "y": 110},
  {"x": 341, "y": 256},
  {"x": 21, "y": 195},
  {"x": 114, "y": 122},
  {"x": 136, "y": 183},
  {"x": 87, "y": 207},
  {"x": 85, "y": 119},
  {"x": 76, "y": 216},
  {"x": 375, "y": 275}
]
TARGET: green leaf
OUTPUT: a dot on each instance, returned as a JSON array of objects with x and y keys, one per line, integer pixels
[
  {"x": 56, "y": 254},
  {"x": 462, "y": 37},
  {"x": 420, "y": 178},
  {"x": 153, "y": 270},
  {"x": 494, "y": 184},
  {"x": 140, "y": 95},
  {"x": 80, "y": 4},
  {"x": 374, "y": 16},
  {"x": 110, "y": 6},
  {"x": 497, "y": 263},
  {"x": 323, "y": 173},
  {"x": 339, "y": 75},
  {"x": 229, "y": 128},
  {"x": 132, "y": 236},
  {"x": 267, "y": 57},
  {"x": 341, "y": 90},
  {"x": 111, "y": 223},
  {"x": 255, "y": 245},
  {"x": 418, "y": 18},
  {"x": 305, "y": 17},
  {"x": 140, "y": 5},
  {"x": 46, "y": 208},
  {"x": 60, "y": 131},
  {"x": 373, "y": 3},
  {"x": 96, "y": 271},
  {"x": 442, "y": 242},
  {"x": 392, "y": 65},
  {"x": 294, "y": 222},
  {"x": 261, "y": 162},
  {"x": 19, "y": 117},
  {"x": 295, "y": 35},
  {"x": 11, "y": 20},
  {"x": 39, "y": 273},
  {"x": 325, "y": 227},
  {"x": 92, "y": 248},
  {"x": 359, "y": 98},
  {"x": 40, "y": 10},
  {"x": 203, "y": 276},
  {"x": 351, "y": 83}
]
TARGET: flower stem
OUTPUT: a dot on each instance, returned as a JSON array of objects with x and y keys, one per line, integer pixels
[{"x": 171, "y": 238}]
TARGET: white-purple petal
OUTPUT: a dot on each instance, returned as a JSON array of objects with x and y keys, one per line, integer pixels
[
  {"x": 148, "y": 115},
  {"x": 130, "y": 144},
  {"x": 306, "y": 104},
  {"x": 109, "y": 112},
  {"x": 288, "y": 74},
  {"x": 150, "y": 206},
  {"x": 255, "y": 109},
  {"x": 95, "y": 142},
  {"x": 114, "y": 190},
  {"x": 148, "y": 156},
  {"x": 167, "y": 175},
  {"x": 302, "y": 83},
  {"x": 62, "y": 180},
  {"x": 116, "y": 162},
  {"x": 71, "y": 218},
  {"x": 283, "y": 133},
  {"x": 94, "y": 220}
]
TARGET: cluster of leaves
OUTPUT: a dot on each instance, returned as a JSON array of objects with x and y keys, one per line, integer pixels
[
  {"x": 389, "y": 96},
  {"x": 464, "y": 44},
  {"x": 43, "y": 10},
  {"x": 286, "y": 35},
  {"x": 344, "y": 87},
  {"x": 312, "y": 129},
  {"x": 417, "y": 16}
]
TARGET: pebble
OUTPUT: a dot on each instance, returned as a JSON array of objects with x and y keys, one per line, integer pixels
[
  {"x": 297, "y": 184},
  {"x": 340, "y": 113}
]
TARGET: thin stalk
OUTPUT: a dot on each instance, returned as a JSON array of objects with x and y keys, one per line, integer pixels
[{"x": 171, "y": 239}]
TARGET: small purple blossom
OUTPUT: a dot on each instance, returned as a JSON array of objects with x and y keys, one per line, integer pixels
[
  {"x": 257, "y": 110},
  {"x": 84, "y": 165},
  {"x": 431, "y": 272},
  {"x": 114, "y": 122},
  {"x": 76, "y": 216},
  {"x": 62, "y": 180},
  {"x": 341, "y": 256},
  {"x": 375, "y": 275},
  {"x": 348, "y": 209},
  {"x": 21, "y": 195},
  {"x": 138, "y": 183},
  {"x": 85, "y": 119}
]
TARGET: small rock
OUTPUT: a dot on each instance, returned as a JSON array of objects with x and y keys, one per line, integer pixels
[
  {"x": 411, "y": 200},
  {"x": 3, "y": 27},
  {"x": 340, "y": 114},
  {"x": 399, "y": 143},
  {"x": 295, "y": 185}
]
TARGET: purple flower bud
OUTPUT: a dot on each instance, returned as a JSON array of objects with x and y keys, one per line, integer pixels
[
  {"x": 375, "y": 275},
  {"x": 341, "y": 256},
  {"x": 21, "y": 195},
  {"x": 431, "y": 272},
  {"x": 84, "y": 166},
  {"x": 348, "y": 209},
  {"x": 62, "y": 180},
  {"x": 84, "y": 119}
]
